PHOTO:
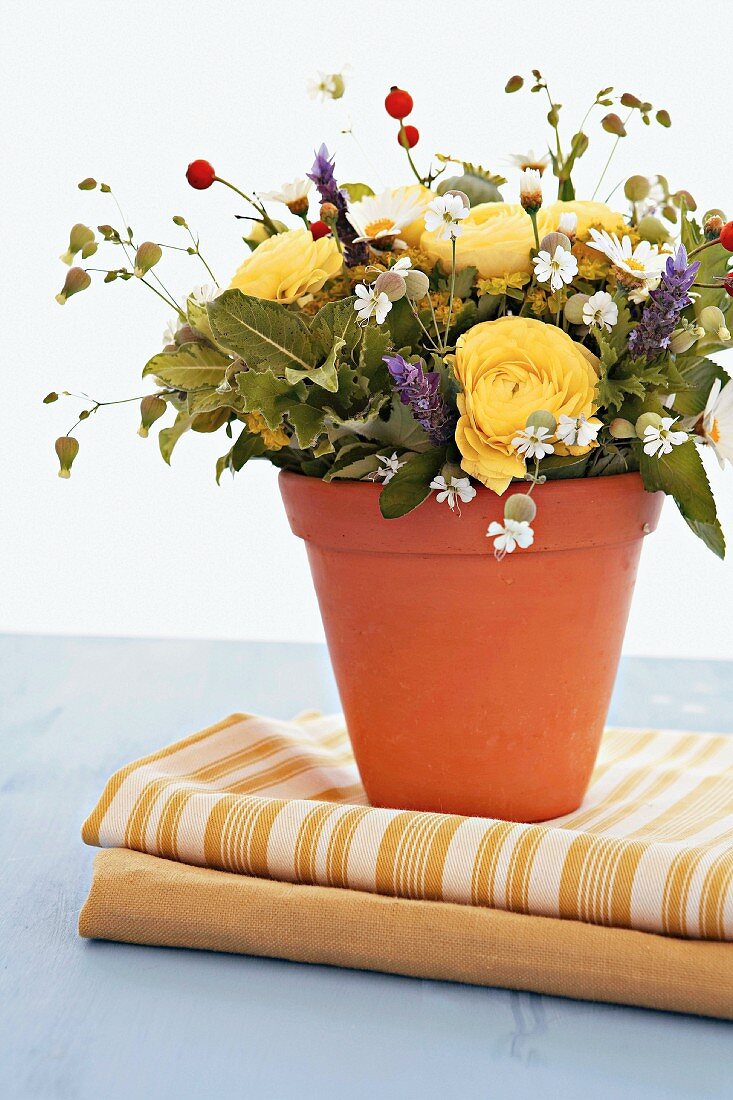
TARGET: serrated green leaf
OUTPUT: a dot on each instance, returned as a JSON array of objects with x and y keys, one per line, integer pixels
[
  {"x": 465, "y": 279},
  {"x": 189, "y": 367},
  {"x": 267, "y": 335},
  {"x": 265, "y": 393},
  {"x": 309, "y": 424},
  {"x": 325, "y": 376},
  {"x": 402, "y": 325},
  {"x": 681, "y": 475},
  {"x": 336, "y": 320},
  {"x": 410, "y": 486},
  {"x": 401, "y": 430}
]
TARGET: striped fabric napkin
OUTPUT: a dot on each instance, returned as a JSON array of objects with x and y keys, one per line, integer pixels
[{"x": 650, "y": 849}]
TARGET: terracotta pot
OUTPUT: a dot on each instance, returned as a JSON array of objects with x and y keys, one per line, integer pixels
[{"x": 473, "y": 686}]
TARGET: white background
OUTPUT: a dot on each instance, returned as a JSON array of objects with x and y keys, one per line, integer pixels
[{"x": 130, "y": 93}]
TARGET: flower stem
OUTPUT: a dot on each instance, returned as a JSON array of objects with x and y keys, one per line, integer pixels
[
  {"x": 610, "y": 158},
  {"x": 270, "y": 225},
  {"x": 701, "y": 248},
  {"x": 452, "y": 289},
  {"x": 406, "y": 147},
  {"x": 435, "y": 323},
  {"x": 415, "y": 314},
  {"x": 533, "y": 218}
]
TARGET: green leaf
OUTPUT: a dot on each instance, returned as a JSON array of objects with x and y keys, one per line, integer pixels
[
  {"x": 558, "y": 467},
  {"x": 410, "y": 486},
  {"x": 403, "y": 327},
  {"x": 401, "y": 430},
  {"x": 465, "y": 279},
  {"x": 265, "y": 393},
  {"x": 189, "y": 367},
  {"x": 681, "y": 475},
  {"x": 357, "y": 191},
  {"x": 168, "y": 437},
  {"x": 336, "y": 320},
  {"x": 308, "y": 422},
  {"x": 325, "y": 376},
  {"x": 354, "y": 461},
  {"x": 247, "y": 446},
  {"x": 267, "y": 335},
  {"x": 699, "y": 377}
]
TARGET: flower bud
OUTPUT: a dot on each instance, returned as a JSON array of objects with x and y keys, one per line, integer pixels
[
  {"x": 530, "y": 190},
  {"x": 574, "y": 308},
  {"x": 338, "y": 86},
  {"x": 80, "y": 236},
  {"x": 514, "y": 83},
  {"x": 647, "y": 420},
  {"x": 417, "y": 285},
  {"x": 76, "y": 280},
  {"x": 392, "y": 284},
  {"x": 329, "y": 212},
  {"x": 147, "y": 256},
  {"x": 542, "y": 419},
  {"x": 520, "y": 507},
  {"x": 712, "y": 320},
  {"x": 178, "y": 219},
  {"x": 67, "y": 448},
  {"x": 682, "y": 340},
  {"x": 552, "y": 241},
  {"x": 87, "y": 184},
  {"x": 568, "y": 225},
  {"x": 152, "y": 408},
  {"x": 460, "y": 195},
  {"x": 663, "y": 118},
  {"x": 712, "y": 225},
  {"x": 612, "y": 124},
  {"x": 637, "y": 188},
  {"x": 622, "y": 429},
  {"x": 685, "y": 197},
  {"x": 652, "y": 229}
]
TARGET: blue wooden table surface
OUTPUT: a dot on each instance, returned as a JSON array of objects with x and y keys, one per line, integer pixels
[{"x": 101, "y": 1020}]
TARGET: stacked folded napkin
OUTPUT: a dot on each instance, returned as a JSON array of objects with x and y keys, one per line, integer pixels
[{"x": 629, "y": 899}]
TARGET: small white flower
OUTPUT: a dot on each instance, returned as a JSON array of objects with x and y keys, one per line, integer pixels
[
  {"x": 533, "y": 442},
  {"x": 568, "y": 225},
  {"x": 509, "y": 535},
  {"x": 641, "y": 264},
  {"x": 171, "y": 330},
  {"x": 660, "y": 440},
  {"x": 327, "y": 85},
  {"x": 460, "y": 489},
  {"x": 371, "y": 302},
  {"x": 203, "y": 294},
  {"x": 559, "y": 269},
  {"x": 600, "y": 310},
  {"x": 530, "y": 159},
  {"x": 293, "y": 194},
  {"x": 639, "y": 293},
  {"x": 443, "y": 214},
  {"x": 576, "y": 431},
  {"x": 716, "y": 424},
  {"x": 530, "y": 187},
  {"x": 403, "y": 264},
  {"x": 388, "y": 469}
]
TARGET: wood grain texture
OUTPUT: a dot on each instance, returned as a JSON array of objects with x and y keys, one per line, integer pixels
[{"x": 81, "y": 1020}]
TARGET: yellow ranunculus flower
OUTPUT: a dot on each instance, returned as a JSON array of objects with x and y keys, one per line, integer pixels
[
  {"x": 496, "y": 237},
  {"x": 274, "y": 439},
  {"x": 287, "y": 266},
  {"x": 509, "y": 369}
]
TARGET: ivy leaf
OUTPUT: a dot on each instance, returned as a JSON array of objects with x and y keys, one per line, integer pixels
[
  {"x": 265, "y": 393},
  {"x": 681, "y": 475},
  {"x": 267, "y": 335},
  {"x": 189, "y": 367},
  {"x": 410, "y": 486}
]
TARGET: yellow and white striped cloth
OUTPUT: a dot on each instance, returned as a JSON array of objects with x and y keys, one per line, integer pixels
[{"x": 651, "y": 848}]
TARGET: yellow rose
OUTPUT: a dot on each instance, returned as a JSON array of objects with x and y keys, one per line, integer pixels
[
  {"x": 416, "y": 193},
  {"x": 274, "y": 439},
  {"x": 287, "y": 266},
  {"x": 588, "y": 213},
  {"x": 496, "y": 237},
  {"x": 509, "y": 369}
]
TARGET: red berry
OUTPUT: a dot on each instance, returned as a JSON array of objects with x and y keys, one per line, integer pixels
[
  {"x": 409, "y": 137},
  {"x": 728, "y": 284},
  {"x": 726, "y": 236},
  {"x": 200, "y": 174},
  {"x": 319, "y": 229},
  {"x": 398, "y": 103}
]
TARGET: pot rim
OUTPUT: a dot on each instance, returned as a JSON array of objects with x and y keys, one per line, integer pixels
[{"x": 573, "y": 514}]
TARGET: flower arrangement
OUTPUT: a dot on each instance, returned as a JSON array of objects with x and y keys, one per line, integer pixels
[{"x": 446, "y": 334}]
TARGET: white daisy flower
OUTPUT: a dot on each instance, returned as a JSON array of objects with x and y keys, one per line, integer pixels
[
  {"x": 171, "y": 330},
  {"x": 379, "y": 219},
  {"x": 716, "y": 424},
  {"x": 640, "y": 264},
  {"x": 443, "y": 215},
  {"x": 660, "y": 440},
  {"x": 533, "y": 442},
  {"x": 576, "y": 431},
  {"x": 459, "y": 489},
  {"x": 203, "y": 294},
  {"x": 388, "y": 469},
  {"x": 558, "y": 269},
  {"x": 530, "y": 188},
  {"x": 600, "y": 310},
  {"x": 371, "y": 302},
  {"x": 294, "y": 195},
  {"x": 530, "y": 159},
  {"x": 509, "y": 535}
]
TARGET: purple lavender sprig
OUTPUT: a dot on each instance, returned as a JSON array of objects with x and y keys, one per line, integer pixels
[
  {"x": 665, "y": 305},
  {"x": 420, "y": 389},
  {"x": 322, "y": 175}
]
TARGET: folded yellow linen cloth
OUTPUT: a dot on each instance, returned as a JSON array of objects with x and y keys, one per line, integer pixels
[
  {"x": 650, "y": 849},
  {"x": 142, "y": 899}
]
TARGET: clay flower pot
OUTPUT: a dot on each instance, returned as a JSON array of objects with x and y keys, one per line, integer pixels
[{"x": 472, "y": 686}]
